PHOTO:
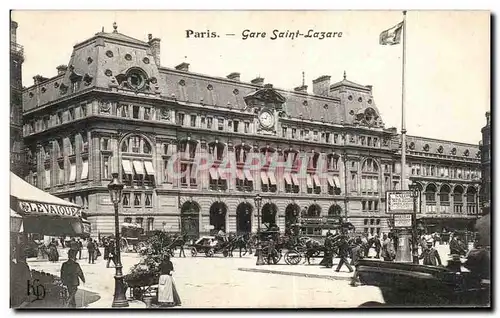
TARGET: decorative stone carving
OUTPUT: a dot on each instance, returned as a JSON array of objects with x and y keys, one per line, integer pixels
[
  {"x": 105, "y": 107},
  {"x": 165, "y": 114}
]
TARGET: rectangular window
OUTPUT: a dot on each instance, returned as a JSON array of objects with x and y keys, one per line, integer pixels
[
  {"x": 105, "y": 167},
  {"x": 220, "y": 124},
  {"x": 147, "y": 113},
  {"x": 315, "y": 136},
  {"x": 137, "y": 199},
  {"x": 354, "y": 182},
  {"x": 335, "y": 138},
  {"x": 180, "y": 119},
  {"x": 135, "y": 112},
  {"x": 150, "y": 224},
  {"x": 301, "y": 134},
  {"x": 85, "y": 169},
  {"x": 193, "y": 120},
  {"x": 230, "y": 124},
  {"x": 327, "y": 137},
  {"x": 60, "y": 180},
  {"x": 47, "y": 178},
  {"x": 124, "y": 110},
  {"x": 247, "y": 127},
  {"x": 306, "y": 134},
  {"x": 72, "y": 173},
  {"x": 375, "y": 142},
  {"x": 83, "y": 110},
  {"x": 139, "y": 221},
  {"x": 71, "y": 113},
  {"x": 294, "y": 133},
  {"x": 148, "y": 200},
  {"x": 75, "y": 86},
  {"x": 236, "y": 125},
  {"x": 126, "y": 199},
  {"x": 203, "y": 121},
  {"x": 284, "y": 132},
  {"x": 209, "y": 122},
  {"x": 104, "y": 143}
]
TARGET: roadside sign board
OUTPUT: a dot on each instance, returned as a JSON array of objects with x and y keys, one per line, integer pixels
[
  {"x": 400, "y": 202},
  {"x": 402, "y": 220}
]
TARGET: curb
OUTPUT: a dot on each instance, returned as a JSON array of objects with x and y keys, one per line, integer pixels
[{"x": 269, "y": 271}]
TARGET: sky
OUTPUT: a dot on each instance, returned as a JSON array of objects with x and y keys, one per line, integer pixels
[{"x": 447, "y": 82}]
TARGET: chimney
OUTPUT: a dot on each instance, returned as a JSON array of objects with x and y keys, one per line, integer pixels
[
  {"x": 154, "y": 43},
  {"x": 301, "y": 89},
  {"x": 183, "y": 67},
  {"x": 38, "y": 79},
  {"x": 258, "y": 81},
  {"x": 234, "y": 76},
  {"x": 61, "y": 69},
  {"x": 321, "y": 85},
  {"x": 13, "y": 31}
]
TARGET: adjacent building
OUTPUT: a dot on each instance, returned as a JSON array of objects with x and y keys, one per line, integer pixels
[
  {"x": 17, "y": 163},
  {"x": 485, "y": 146},
  {"x": 115, "y": 108}
]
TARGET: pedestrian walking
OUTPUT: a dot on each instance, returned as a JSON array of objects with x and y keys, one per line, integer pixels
[
  {"x": 53, "y": 253},
  {"x": 430, "y": 255},
  {"x": 357, "y": 254},
  {"x": 112, "y": 253},
  {"x": 167, "y": 293},
  {"x": 343, "y": 253},
  {"x": 455, "y": 247},
  {"x": 270, "y": 252},
  {"x": 327, "y": 260},
  {"x": 388, "y": 252},
  {"x": 91, "y": 250},
  {"x": 71, "y": 273},
  {"x": 80, "y": 248},
  {"x": 105, "y": 243}
]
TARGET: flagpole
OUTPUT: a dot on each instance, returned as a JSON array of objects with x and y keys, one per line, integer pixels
[{"x": 403, "y": 124}]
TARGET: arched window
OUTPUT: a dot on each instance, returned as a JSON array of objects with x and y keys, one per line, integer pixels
[
  {"x": 369, "y": 177},
  {"x": 471, "y": 200},
  {"x": 241, "y": 152},
  {"x": 187, "y": 149},
  {"x": 458, "y": 193},
  {"x": 444, "y": 198},
  {"x": 136, "y": 144},
  {"x": 216, "y": 150}
]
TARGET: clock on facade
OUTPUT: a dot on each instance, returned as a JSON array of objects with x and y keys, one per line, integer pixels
[{"x": 266, "y": 119}]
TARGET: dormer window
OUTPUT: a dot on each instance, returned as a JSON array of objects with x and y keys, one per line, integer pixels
[
  {"x": 136, "y": 79},
  {"x": 75, "y": 86}
]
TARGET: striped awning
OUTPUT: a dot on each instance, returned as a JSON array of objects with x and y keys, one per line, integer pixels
[
  {"x": 221, "y": 173},
  {"x": 264, "y": 178},
  {"x": 248, "y": 175},
  {"x": 317, "y": 183},
  {"x": 288, "y": 179},
  {"x": 330, "y": 181},
  {"x": 240, "y": 175},
  {"x": 149, "y": 168},
  {"x": 309, "y": 181},
  {"x": 337, "y": 181},
  {"x": 127, "y": 167},
  {"x": 272, "y": 178},
  {"x": 138, "y": 167},
  {"x": 295, "y": 179}
]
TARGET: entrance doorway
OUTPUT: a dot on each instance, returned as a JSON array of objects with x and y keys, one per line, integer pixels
[
  {"x": 218, "y": 212},
  {"x": 190, "y": 220},
  {"x": 292, "y": 212},
  {"x": 243, "y": 218}
]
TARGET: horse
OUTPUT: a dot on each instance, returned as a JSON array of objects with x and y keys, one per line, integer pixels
[{"x": 239, "y": 242}]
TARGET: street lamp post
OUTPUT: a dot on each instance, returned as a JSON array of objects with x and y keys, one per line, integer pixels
[
  {"x": 260, "y": 259},
  {"x": 415, "y": 193},
  {"x": 115, "y": 191}
]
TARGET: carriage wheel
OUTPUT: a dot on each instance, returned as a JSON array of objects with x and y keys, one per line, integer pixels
[
  {"x": 292, "y": 257},
  {"x": 194, "y": 252},
  {"x": 123, "y": 245},
  {"x": 209, "y": 252}
]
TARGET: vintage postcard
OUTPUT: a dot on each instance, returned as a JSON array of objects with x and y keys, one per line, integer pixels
[{"x": 249, "y": 159}]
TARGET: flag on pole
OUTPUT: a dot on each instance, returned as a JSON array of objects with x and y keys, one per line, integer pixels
[{"x": 392, "y": 36}]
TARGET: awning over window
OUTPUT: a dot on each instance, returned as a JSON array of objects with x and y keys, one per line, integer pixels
[
  {"x": 337, "y": 181},
  {"x": 272, "y": 178},
  {"x": 331, "y": 182},
  {"x": 85, "y": 170},
  {"x": 264, "y": 177},
  {"x": 309, "y": 181},
  {"x": 149, "y": 168},
  {"x": 72, "y": 173},
  {"x": 127, "y": 167},
  {"x": 288, "y": 179},
  {"x": 213, "y": 174},
  {"x": 240, "y": 175},
  {"x": 317, "y": 183},
  {"x": 248, "y": 175},
  {"x": 138, "y": 167},
  {"x": 295, "y": 179},
  {"x": 221, "y": 173}
]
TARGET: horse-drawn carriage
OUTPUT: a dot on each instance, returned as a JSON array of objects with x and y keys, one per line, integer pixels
[
  {"x": 132, "y": 237},
  {"x": 210, "y": 246}
]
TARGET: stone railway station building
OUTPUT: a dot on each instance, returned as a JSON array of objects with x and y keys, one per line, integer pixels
[{"x": 115, "y": 108}]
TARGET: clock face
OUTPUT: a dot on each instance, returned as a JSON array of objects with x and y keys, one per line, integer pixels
[{"x": 266, "y": 119}]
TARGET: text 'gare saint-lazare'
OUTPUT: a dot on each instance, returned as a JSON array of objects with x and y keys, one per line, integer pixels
[{"x": 274, "y": 35}]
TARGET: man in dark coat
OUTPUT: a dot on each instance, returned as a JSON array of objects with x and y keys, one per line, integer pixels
[
  {"x": 73, "y": 245},
  {"x": 343, "y": 253},
  {"x": 327, "y": 261},
  {"x": 80, "y": 248},
  {"x": 455, "y": 247},
  {"x": 357, "y": 254},
  {"x": 91, "y": 248},
  {"x": 430, "y": 255},
  {"x": 71, "y": 272}
]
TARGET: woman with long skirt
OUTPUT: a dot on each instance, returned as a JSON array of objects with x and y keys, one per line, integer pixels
[{"x": 167, "y": 293}]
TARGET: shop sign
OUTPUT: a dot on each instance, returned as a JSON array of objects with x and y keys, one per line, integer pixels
[
  {"x": 400, "y": 202},
  {"x": 402, "y": 220},
  {"x": 45, "y": 208}
]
